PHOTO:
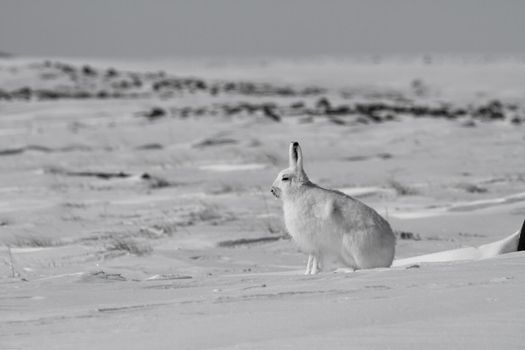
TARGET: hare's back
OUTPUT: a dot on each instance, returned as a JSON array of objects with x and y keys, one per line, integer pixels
[{"x": 355, "y": 215}]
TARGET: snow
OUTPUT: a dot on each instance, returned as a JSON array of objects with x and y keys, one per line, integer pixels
[
  {"x": 232, "y": 167},
  {"x": 132, "y": 263}
]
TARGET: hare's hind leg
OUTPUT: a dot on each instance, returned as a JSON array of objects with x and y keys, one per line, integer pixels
[
  {"x": 372, "y": 251},
  {"x": 346, "y": 256}
]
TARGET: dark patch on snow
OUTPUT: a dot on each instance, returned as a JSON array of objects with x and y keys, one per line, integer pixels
[
  {"x": 150, "y": 147},
  {"x": 408, "y": 235},
  {"x": 102, "y": 276},
  {"x": 248, "y": 241},
  {"x": 215, "y": 142}
]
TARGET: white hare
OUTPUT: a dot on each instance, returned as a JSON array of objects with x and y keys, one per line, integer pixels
[{"x": 329, "y": 223}]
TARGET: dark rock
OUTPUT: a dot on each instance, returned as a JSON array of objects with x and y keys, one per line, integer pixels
[
  {"x": 516, "y": 120},
  {"x": 102, "y": 94},
  {"x": 155, "y": 113},
  {"x": 493, "y": 110},
  {"x": 408, "y": 235},
  {"x": 340, "y": 110},
  {"x": 298, "y": 105},
  {"x": 323, "y": 104},
  {"x": 231, "y": 110},
  {"x": 111, "y": 73},
  {"x": 155, "y": 181},
  {"x": 89, "y": 71}
]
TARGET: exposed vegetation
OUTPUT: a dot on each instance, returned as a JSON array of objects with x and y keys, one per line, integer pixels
[
  {"x": 401, "y": 189},
  {"x": 130, "y": 246},
  {"x": 33, "y": 241}
]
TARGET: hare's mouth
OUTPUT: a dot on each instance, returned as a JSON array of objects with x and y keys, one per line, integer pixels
[{"x": 276, "y": 191}]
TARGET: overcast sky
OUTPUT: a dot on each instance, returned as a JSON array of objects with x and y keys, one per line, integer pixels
[{"x": 142, "y": 28}]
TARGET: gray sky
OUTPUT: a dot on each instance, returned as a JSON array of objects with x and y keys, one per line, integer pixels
[{"x": 142, "y": 28}]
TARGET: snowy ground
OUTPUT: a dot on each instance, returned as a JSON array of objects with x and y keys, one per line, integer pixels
[{"x": 120, "y": 227}]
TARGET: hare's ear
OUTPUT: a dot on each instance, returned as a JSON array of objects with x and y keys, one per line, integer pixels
[{"x": 296, "y": 157}]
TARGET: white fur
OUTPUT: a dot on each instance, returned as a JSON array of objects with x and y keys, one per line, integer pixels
[{"x": 329, "y": 223}]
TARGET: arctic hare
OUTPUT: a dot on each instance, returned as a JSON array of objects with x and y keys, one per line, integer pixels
[{"x": 329, "y": 223}]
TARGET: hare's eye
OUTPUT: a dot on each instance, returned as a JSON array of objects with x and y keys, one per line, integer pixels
[{"x": 286, "y": 178}]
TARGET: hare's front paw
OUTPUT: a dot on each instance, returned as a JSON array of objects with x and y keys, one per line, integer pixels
[{"x": 313, "y": 266}]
